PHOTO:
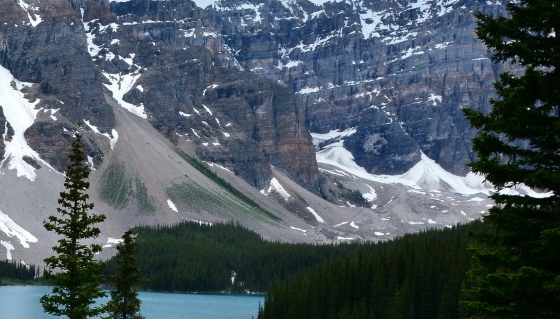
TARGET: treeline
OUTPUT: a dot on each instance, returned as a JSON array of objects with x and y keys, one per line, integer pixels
[
  {"x": 416, "y": 276},
  {"x": 13, "y": 271},
  {"x": 199, "y": 257}
]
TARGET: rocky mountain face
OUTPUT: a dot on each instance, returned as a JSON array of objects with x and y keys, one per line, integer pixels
[
  {"x": 78, "y": 49},
  {"x": 397, "y": 71},
  {"x": 282, "y": 95}
]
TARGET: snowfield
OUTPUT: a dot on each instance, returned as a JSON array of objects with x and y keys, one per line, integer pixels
[
  {"x": 20, "y": 114},
  {"x": 425, "y": 175},
  {"x": 11, "y": 229}
]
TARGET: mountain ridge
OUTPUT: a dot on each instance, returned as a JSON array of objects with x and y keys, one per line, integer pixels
[{"x": 261, "y": 93}]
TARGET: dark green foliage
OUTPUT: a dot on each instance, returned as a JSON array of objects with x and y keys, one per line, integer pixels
[
  {"x": 516, "y": 273},
  {"x": 358, "y": 198},
  {"x": 124, "y": 303},
  {"x": 73, "y": 271},
  {"x": 199, "y": 257},
  {"x": 416, "y": 276},
  {"x": 14, "y": 271},
  {"x": 353, "y": 196}
]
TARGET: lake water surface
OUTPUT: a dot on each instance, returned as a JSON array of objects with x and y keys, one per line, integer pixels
[{"x": 22, "y": 302}]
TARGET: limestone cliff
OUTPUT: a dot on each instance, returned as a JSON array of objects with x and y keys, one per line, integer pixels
[
  {"x": 397, "y": 71},
  {"x": 157, "y": 58}
]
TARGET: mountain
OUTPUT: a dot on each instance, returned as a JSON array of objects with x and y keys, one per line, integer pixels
[{"x": 279, "y": 114}]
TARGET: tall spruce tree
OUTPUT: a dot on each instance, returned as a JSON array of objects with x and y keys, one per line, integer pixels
[
  {"x": 73, "y": 271},
  {"x": 124, "y": 303},
  {"x": 516, "y": 261}
]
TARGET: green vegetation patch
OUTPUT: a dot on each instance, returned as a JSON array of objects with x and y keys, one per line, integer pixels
[
  {"x": 247, "y": 205},
  {"x": 146, "y": 203},
  {"x": 118, "y": 188},
  {"x": 116, "y": 185},
  {"x": 192, "y": 196}
]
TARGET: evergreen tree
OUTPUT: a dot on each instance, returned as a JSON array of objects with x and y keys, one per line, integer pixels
[
  {"x": 124, "y": 302},
  {"x": 73, "y": 271},
  {"x": 516, "y": 273}
]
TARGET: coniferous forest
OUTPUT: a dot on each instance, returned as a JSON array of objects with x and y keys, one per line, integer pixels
[
  {"x": 13, "y": 271},
  {"x": 415, "y": 276},
  {"x": 200, "y": 257}
]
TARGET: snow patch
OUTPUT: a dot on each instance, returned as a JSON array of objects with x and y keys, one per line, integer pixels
[
  {"x": 299, "y": 229},
  {"x": 115, "y": 241},
  {"x": 93, "y": 49},
  {"x": 353, "y": 224},
  {"x": 332, "y": 135},
  {"x": 119, "y": 86},
  {"x": 27, "y": 7},
  {"x": 207, "y": 109},
  {"x": 112, "y": 241},
  {"x": 52, "y": 113},
  {"x": 11, "y": 229},
  {"x": 307, "y": 90},
  {"x": 371, "y": 196},
  {"x": 20, "y": 114},
  {"x": 317, "y": 217},
  {"x": 289, "y": 65},
  {"x": 195, "y": 133},
  {"x": 371, "y": 23},
  {"x": 9, "y": 247},
  {"x": 213, "y": 86},
  {"x": 90, "y": 163},
  {"x": 415, "y": 223},
  {"x": 345, "y": 238},
  {"x": 220, "y": 166},
  {"x": 443, "y": 45},
  {"x": 113, "y": 137},
  {"x": 435, "y": 99},
  {"x": 172, "y": 206},
  {"x": 277, "y": 188},
  {"x": 426, "y": 174}
]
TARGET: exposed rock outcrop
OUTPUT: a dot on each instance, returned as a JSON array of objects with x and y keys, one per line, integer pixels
[
  {"x": 398, "y": 72},
  {"x": 157, "y": 58},
  {"x": 6, "y": 131},
  {"x": 190, "y": 88}
]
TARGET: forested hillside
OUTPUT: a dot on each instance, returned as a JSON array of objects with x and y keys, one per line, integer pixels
[
  {"x": 13, "y": 271},
  {"x": 416, "y": 276},
  {"x": 418, "y": 273},
  {"x": 203, "y": 257}
]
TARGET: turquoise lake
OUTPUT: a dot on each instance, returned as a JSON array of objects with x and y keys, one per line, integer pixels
[{"x": 22, "y": 302}]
